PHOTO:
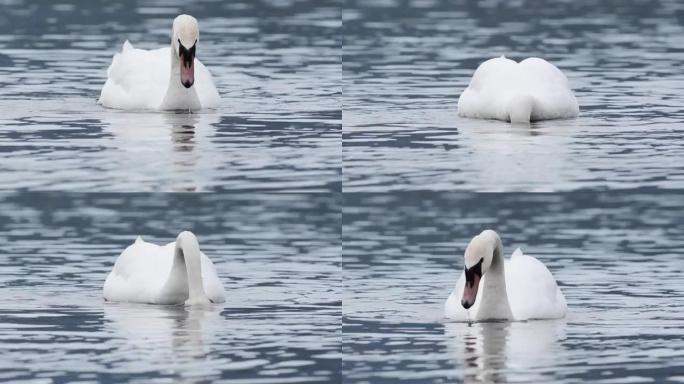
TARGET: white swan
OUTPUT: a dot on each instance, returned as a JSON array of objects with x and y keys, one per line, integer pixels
[
  {"x": 490, "y": 288},
  {"x": 173, "y": 274},
  {"x": 168, "y": 78},
  {"x": 533, "y": 89}
]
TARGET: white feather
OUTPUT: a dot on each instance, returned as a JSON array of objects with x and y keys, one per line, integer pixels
[
  {"x": 143, "y": 274},
  {"x": 533, "y": 89}
]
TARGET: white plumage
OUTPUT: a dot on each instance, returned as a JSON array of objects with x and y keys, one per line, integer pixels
[
  {"x": 175, "y": 273},
  {"x": 533, "y": 89},
  {"x": 524, "y": 290},
  {"x": 140, "y": 79}
]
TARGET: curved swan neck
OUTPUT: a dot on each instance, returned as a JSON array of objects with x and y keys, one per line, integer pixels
[
  {"x": 494, "y": 303},
  {"x": 520, "y": 109},
  {"x": 187, "y": 251},
  {"x": 177, "y": 97}
]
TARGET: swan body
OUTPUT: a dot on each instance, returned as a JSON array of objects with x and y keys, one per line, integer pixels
[
  {"x": 531, "y": 90},
  {"x": 491, "y": 288},
  {"x": 168, "y": 78},
  {"x": 175, "y": 273}
]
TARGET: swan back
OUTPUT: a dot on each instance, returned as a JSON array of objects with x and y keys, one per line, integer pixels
[
  {"x": 532, "y": 290},
  {"x": 138, "y": 274},
  {"x": 533, "y": 89},
  {"x": 130, "y": 82}
]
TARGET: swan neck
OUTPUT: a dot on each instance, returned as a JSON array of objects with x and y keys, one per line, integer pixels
[
  {"x": 497, "y": 266},
  {"x": 494, "y": 295},
  {"x": 187, "y": 251},
  {"x": 520, "y": 109},
  {"x": 177, "y": 97}
]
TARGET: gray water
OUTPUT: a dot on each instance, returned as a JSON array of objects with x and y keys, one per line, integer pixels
[
  {"x": 609, "y": 226},
  {"x": 616, "y": 256},
  {"x": 278, "y": 257},
  {"x": 406, "y": 62},
  {"x": 277, "y": 68},
  {"x": 320, "y": 98}
]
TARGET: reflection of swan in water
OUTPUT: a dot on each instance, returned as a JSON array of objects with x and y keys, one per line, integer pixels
[
  {"x": 162, "y": 150},
  {"x": 487, "y": 351},
  {"x": 159, "y": 337},
  {"x": 503, "y": 156}
]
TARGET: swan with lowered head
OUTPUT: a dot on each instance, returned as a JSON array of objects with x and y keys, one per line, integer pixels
[
  {"x": 491, "y": 288},
  {"x": 176, "y": 273},
  {"x": 531, "y": 90},
  {"x": 169, "y": 78}
]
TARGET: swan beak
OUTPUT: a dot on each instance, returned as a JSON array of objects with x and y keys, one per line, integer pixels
[
  {"x": 473, "y": 276},
  {"x": 187, "y": 61}
]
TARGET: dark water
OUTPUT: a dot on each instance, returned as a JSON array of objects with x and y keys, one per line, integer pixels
[
  {"x": 616, "y": 256},
  {"x": 278, "y": 257},
  {"x": 610, "y": 230},
  {"x": 324, "y": 286},
  {"x": 277, "y": 68},
  {"x": 406, "y": 62}
]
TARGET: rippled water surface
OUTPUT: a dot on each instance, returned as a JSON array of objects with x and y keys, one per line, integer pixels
[
  {"x": 278, "y": 257},
  {"x": 276, "y": 65},
  {"x": 406, "y": 62},
  {"x": 617, "y": 256}
]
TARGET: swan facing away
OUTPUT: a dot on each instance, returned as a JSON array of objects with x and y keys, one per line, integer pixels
[
  {"x": 491, "y": 288},
  {"x": 531, "y": 90},
  {"x": 175, "y": 273},
  {"x": 169, "y": 78}
]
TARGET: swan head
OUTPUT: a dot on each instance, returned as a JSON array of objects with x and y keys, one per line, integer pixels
[
  {"x": 478, "y": 258},
  {"x": 184, "y": 39}
]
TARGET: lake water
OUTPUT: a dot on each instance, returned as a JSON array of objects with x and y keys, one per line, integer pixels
[
  {"x": 616, "y": 256},
  {"x": 336, "y": 188},
  {"x": 277, "y": 68},
  {"x": 406, "y": 62},
  {"x": 278, "y": 257},
  {"x": 609, "y": 225}
]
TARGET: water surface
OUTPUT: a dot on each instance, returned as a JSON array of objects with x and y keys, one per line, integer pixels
[
  {"x": 278, "y": 257},
  {"x": 616, "y": 256},
  {"x": 276, "y": 66},
  {"x": 406, "y": 62}
]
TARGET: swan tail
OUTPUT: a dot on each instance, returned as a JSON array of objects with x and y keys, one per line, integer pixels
[
  {"x": 520, "y": 108},
  {"x": 127, "y": 46},
  {"x": 517, "y": 253}
]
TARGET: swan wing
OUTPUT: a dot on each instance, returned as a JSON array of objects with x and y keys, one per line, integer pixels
[
  {"x": 211, "y": 282},
  {"x": 138, "y": 274},
  {"x": 204, "y": 86},
  {"x": 532, "y": 290},
  {"x": 452, "y": 307},
  {"x": 550, "y": 88},
  {"x": 137, "y": 78}
]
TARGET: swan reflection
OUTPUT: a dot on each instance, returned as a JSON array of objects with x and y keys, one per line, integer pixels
[
  {"x": 516, "y": 154},
  {"x": 161, "y": 335},
  {"x": 148, "y": 145},
  {"x": 488, "y": 351}
]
